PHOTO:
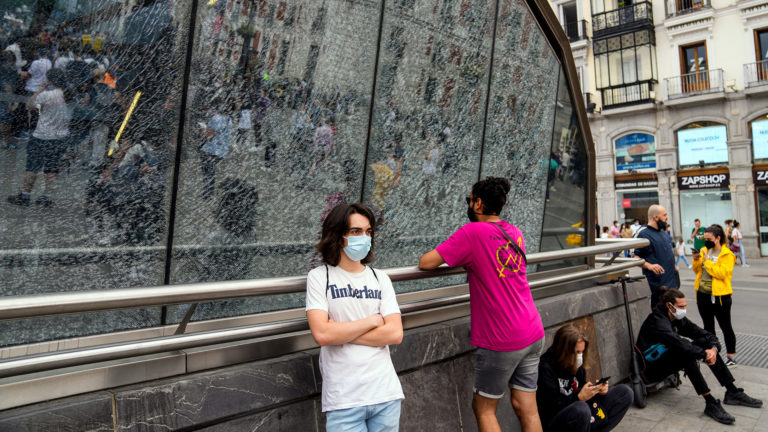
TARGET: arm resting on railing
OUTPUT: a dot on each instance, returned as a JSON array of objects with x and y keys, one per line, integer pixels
[
  {"x": 391, "y": 333},
  {"x": 431, "y": 260},
  {"x": 328, "y": 332}
]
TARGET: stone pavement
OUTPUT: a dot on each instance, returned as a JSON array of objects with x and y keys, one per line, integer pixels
[{"x": 682, "y": 410}]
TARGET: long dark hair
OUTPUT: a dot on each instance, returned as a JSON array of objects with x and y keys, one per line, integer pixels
[
  {"x": 564, "y": 347},
  {"x": 718, "y": 231},
  {"x": 335, "y": 227},
  {"x": 493, "y": 191}
]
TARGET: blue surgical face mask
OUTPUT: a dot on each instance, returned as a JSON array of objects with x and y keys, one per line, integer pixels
[{"x": 358, "y": 247}]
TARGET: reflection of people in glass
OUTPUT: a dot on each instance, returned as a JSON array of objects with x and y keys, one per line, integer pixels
[
  {"x": 48, "y": 143},
  {"x": 384, "y": 179},
  {"x": 215, "y": 147},
  {"x": 322, "y": 145},
  {"x": 8, "y": 77},
  {"x": 506, "y": 326},
  {"x": 354, "y": 316}
]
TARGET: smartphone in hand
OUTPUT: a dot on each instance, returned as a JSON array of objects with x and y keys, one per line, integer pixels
[{"x": 603, "y": 380}]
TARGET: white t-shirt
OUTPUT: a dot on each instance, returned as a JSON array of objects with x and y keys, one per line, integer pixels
[
  {"x": 354, "y": 375},
  {"x": 37, "y": 72},
  {"x": 736, "y": 234},
  {"x": 55, "y": 114}
]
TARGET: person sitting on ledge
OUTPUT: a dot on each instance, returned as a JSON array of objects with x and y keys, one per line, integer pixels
[
  {"x": 662, "y": 340},
  {"x": 566, "y": 400}
]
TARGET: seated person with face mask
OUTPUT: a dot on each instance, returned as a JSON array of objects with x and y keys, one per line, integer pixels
[
  {"x": 566, "y": 400},
  {"x": 664, "y": 342}
]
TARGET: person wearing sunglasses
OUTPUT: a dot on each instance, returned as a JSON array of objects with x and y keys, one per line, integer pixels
[{"x": 506, "y": 326}]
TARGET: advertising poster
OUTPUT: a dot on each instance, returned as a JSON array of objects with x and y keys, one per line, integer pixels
[
  {"x": 635, "y": 151},
  {"x": 708, "y": 144},
  {"x": 760, "y": 139}
]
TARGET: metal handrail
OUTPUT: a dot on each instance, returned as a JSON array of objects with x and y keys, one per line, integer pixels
[
  {"x": 61, "y": 359},
  {"x": 29, "y": 306}
]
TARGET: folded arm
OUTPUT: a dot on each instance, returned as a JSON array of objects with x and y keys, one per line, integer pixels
[
  {"x": 328, "y": 332},
  {"x": 391, "y": 333}
]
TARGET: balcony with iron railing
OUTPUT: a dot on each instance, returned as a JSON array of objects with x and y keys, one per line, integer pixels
[
  {"x": 622, "y": 19},
  {"x": 628, "y": 94},
  {"x": 694, "y": 83},
  {"x": 683, "y": 7},
  {"x": 756, "y": 74},
  {"x": 576, "y": 30}
]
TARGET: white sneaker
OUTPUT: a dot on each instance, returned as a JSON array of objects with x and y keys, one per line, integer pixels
[
  {"x": 745, "y": 265},
  {"x": 690, "y": 266}
]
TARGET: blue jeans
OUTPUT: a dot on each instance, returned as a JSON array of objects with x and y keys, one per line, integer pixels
[
  {"x": 383, "y": 417},
  {"x": 684, "y": 260}
]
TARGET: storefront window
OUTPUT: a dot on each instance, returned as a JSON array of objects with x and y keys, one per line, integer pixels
[
  {"x": 635, "y": 152},
  {"x": 712, "y": 206},
  {"x": 762, "y": 208},
  {"x": 634, "y": 204}
]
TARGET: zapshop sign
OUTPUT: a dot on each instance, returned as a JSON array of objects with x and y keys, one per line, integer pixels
[
  {"x": 704, "y": 181},
  {"x": 761, "y": 177}
]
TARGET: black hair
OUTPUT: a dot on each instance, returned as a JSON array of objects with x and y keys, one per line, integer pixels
[
  {"x": 58, "y": 78},
  {"x": 335, "y": 227},
  {"x": 669, "y": 295},
  {"x": 735, "y": 223},
  {"x": 717, "y": 231},
  {"x": 493, "y": 192}
]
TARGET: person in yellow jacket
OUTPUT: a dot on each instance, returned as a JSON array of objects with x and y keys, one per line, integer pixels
[{"x": 713, "y": 265}]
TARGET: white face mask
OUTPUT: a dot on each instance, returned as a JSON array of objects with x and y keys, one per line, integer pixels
[
  {"x": 579, "y": 359},
  {"x": 678, "y": 313}
]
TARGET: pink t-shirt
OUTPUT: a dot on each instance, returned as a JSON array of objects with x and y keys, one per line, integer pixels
[
  {"x": 503, "y": 315},
  {"x": 615, "y": 231}
]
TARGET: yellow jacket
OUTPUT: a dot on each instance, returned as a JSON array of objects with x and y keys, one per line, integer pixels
[{"x": 721, "y": 272}]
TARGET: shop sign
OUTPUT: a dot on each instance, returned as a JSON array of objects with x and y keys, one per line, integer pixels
[
  {"x": 626, "y": 203},
  {"x": 760, "y": 139},
  {"x": 635, "y": 151},
  {"x": 704, "y": 181},
  {"x": 761, "y": 177},
  {"x": 634, "y": 184},
  {"x": 707, "y": 144}
]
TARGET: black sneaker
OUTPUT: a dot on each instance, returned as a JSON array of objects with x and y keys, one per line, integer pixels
[
  {"x": 716, "y": 411},
  {"x": 44, "y": 201},
  {"x": 741, "y": 398},
  {"x": 730, "y": 362},
  {"x": 19, "y": 200}
]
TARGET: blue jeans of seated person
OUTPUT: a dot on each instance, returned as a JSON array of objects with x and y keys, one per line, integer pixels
[
  {"x": 383, "y": 417},
  {"x": 577, "y": 417}
]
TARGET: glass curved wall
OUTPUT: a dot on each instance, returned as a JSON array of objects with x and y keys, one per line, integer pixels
[{"x": 161, "y": 142}]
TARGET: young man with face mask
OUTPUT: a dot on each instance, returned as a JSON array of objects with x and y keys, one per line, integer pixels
[
  {"x": 506, "y": 326},
  {"x": 670, "y": 342},
  {"x": 659, "y": 267},
  {"x": 354, "y": 316}
]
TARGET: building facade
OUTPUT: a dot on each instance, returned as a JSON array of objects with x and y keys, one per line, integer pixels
[{"x": 678, "y": 97}]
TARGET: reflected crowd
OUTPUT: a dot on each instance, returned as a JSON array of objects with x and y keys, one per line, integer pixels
[{"x": 146, "y": 143}]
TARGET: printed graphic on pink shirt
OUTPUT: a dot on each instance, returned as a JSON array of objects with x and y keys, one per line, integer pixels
[{"x": 502, "y": 312}]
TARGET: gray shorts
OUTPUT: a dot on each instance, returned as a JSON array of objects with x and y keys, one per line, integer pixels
[{"x": 495, "y": 371}]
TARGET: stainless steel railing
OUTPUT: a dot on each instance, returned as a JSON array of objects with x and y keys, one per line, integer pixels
[
  {"x": 66, "y": 303},
  {"x": 99, "y": 300}
]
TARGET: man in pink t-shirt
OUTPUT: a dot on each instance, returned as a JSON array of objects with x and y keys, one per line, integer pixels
[{"x": 506, "y": 326}]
